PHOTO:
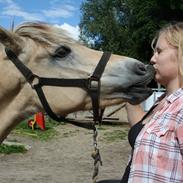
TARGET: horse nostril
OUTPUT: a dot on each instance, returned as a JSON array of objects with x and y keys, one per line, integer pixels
[{"x": 141, "y": 69}]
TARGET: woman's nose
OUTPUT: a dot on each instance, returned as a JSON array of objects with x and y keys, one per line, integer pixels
[{"x": 153, "y": 60}]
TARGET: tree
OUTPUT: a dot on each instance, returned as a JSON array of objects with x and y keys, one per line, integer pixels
[
  {"x": 103, "y": 24},
  {"x": 126, "y": 26},
  {"x": 146, "y": 18}
]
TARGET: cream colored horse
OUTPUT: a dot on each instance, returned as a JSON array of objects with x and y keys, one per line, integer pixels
[{"x": 49, "y": 52}]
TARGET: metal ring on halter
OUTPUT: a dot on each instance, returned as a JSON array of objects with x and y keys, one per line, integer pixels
[{"x": 35, "y": 81}]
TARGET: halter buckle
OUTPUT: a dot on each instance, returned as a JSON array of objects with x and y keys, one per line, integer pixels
[
  {"x": 94, "y": 83},
  {"x": 35, "y": 81}
]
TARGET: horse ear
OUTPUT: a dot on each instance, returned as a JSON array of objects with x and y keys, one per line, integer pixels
[{"x": 10, "y": 40}]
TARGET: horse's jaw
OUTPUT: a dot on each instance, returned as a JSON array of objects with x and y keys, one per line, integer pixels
[{"x": 134, "y": 95}]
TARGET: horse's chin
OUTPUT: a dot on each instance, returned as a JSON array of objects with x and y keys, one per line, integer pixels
[
  {"x": 133, "y": 95},
  {"x": 136, "y": 95}
]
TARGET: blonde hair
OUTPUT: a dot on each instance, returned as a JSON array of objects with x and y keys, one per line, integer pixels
[{"x": 174, "y": 35}]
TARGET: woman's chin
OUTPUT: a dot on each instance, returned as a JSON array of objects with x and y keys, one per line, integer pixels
[{"x": 157, "y": 78}]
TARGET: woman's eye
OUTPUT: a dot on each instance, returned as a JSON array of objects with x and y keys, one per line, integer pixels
[
  {"x": 62, "y": 52},
  {"x": 159, "y": 51}
]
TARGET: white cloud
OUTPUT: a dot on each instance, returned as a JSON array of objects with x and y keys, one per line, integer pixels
[
  {"x": 53, "y": 14},
  {"x": 73, "y": 31},
  {"x": 63, "y": 11},
  {"x": 55, "y": 11},
  {"x": 12, "y": 9}
]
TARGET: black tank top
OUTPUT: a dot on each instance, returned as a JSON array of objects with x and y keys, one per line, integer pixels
[{"x": 132, "y": 135}]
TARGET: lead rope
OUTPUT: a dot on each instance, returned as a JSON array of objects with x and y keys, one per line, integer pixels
[
  {"x": 95, "y": 79},
  {"x": 96, "y": 156}
]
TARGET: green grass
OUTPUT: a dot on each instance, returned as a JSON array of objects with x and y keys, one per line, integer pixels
[
  {"x": 8, "y": 149},
  {"x": 24, "y": 130},
  {"x": 37, "y": 133}
]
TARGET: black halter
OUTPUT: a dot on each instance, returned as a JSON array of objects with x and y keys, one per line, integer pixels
[{"x": 91, "y": 84}]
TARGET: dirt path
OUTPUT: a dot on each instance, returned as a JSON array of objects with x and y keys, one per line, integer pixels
[{"x": 65, "y": 159}]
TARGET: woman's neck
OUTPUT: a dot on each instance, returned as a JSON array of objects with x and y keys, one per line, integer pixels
[{"x": 173, "y": 86}]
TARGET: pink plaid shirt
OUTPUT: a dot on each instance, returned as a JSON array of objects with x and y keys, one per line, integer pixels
[{"x": 158, "y": 153}]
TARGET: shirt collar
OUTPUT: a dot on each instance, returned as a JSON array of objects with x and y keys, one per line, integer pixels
[{"x": 175, "y": 95}]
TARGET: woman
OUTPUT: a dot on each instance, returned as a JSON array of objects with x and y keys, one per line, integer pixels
[{"x": 157, "y": 139}]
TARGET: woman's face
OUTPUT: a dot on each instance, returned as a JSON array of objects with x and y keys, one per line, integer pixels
[{"x": 165, "y": 62}]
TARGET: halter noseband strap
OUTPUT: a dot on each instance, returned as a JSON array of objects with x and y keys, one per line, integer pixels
[{"x": 91, "y": 84}]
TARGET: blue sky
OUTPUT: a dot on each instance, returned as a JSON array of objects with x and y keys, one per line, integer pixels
[{"x": 64, "y": 13}]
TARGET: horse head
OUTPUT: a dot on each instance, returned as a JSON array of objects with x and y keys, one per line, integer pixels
[{"x": 50, "y": 52}]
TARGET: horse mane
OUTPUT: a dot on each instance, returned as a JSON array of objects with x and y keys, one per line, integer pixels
[{"x": 43, "y": 33}]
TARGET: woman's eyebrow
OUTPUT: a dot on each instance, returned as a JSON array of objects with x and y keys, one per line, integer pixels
[{"x": 158, "y": 48}]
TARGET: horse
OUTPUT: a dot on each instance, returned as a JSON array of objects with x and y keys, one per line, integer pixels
[{"x": 50, "y": 52}]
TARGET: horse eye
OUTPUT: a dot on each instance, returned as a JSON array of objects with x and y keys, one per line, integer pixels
[{"x": 62, "y": 52}]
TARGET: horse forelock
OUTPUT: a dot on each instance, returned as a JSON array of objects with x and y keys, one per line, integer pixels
[{"x": 44, "y": 33}]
